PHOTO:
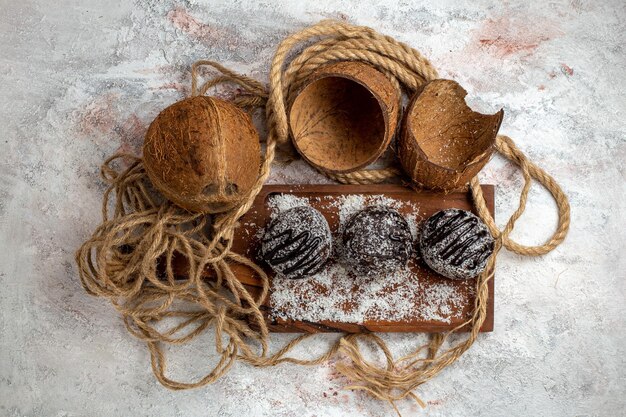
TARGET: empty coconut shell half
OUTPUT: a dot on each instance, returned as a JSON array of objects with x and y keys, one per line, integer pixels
[
  {"x": 344, "y": 117},
  {"x": 203, "y": 154},
  {"x": 444, "y": 143}
]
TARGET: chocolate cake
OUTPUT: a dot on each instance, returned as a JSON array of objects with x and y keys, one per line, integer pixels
[
  {"x": 297, "y": 242},
  {"x": 377, "y": 239},
  {"x": 456, "y": 244}
]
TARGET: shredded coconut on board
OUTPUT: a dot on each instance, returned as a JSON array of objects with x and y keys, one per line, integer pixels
[
  {"x": 338, "y": 294},
  {"x": 282, "y": 202}
]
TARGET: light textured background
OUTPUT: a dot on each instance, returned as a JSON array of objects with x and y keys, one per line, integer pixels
[{"x": 82, "y": 79}]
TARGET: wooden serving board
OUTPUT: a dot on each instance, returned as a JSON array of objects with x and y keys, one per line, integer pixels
[{"x": 426, "y": 290}]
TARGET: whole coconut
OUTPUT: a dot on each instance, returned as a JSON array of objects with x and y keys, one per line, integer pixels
[{"x": 203, "y": 154}]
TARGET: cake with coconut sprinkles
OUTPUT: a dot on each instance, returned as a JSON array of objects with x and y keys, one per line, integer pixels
[
  {"x": 456, "y": 244},
  {"x": 297, "y": 242},
  {"x": 377, "y": 239}
]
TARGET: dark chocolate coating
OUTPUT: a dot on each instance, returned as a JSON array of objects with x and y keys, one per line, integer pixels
[
  {"x": 297, "y": 242},
  {"x": 377, "y": 240},
  {"x": 456, "y": 244}
]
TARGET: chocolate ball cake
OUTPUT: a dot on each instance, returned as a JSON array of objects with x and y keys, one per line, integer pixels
[
  {"x": 377, "y": 240},
  {"x": 456, "y": 244},
  {"x": 297, "y": 242}
]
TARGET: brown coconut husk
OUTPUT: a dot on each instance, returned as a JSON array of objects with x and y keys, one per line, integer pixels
[
  {"x": 444, "y": 143},
  {"x": 203, "y": 154},
  {"x": 344, "y": 117}
]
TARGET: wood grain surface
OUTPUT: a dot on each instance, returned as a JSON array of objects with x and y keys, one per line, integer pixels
[{"x": 321, "y": 197}]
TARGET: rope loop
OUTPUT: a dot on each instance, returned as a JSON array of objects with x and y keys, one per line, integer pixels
[
  {"x": 255, "y": 93},
  {"x": 507, "y": 148}
]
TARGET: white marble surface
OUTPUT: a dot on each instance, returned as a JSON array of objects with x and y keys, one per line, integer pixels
[{"x": 82, "y": 79}]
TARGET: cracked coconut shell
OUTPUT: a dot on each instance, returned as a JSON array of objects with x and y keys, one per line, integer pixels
[
  {"x": 444, "y": 143},
  {"x": 203, "y": 154}
]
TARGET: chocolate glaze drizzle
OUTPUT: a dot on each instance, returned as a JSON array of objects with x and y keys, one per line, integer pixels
[
  {"x": 297, "y": 242},
  {"x": 463, "y": 246},
  {"x": 303, "y": 248}
]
